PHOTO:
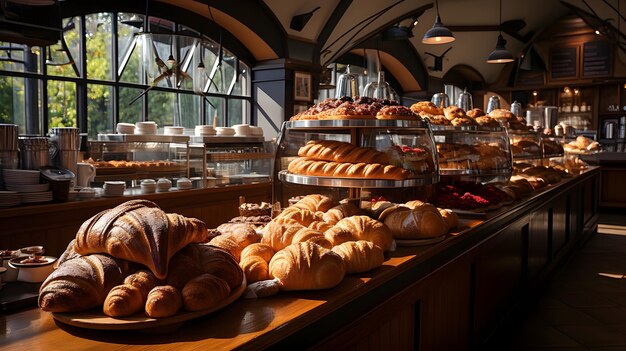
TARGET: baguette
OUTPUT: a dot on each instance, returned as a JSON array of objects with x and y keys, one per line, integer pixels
[
  {"x": 347, "y": 170},
  {"x": 337, "y": 151}
]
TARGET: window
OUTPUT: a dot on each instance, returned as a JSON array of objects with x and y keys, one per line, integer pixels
[{"x": 105, "y": 70}]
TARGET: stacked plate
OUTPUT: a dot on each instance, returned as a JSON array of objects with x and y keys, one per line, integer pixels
[
  {"x": 25, "y": 184},
  {"x": 148, "y": 127},
  {"x": 9, "y": 198}
]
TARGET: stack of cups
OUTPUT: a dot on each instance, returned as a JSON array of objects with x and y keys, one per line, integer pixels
[
  {"x": 67, "y": 142},
  {"x": 147, "y": 127},
  {"x": 34, "y": 152},
  {"x": 114, "y": 188}
]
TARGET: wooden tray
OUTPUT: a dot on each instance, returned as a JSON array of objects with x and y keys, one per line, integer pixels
[{"x": 95, "y": 319}]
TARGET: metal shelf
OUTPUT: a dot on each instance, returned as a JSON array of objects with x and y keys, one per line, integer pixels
[
  {"x": 285, "y": 176},
  {"x": 355, "y": 123}
]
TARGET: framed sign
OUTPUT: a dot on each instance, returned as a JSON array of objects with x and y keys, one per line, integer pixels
[
  {"x": 302, "y": 86},
  {"x": 597, "y": 59},
  {"x": 564, "y": 63}
]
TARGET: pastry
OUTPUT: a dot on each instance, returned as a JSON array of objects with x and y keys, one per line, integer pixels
[
  {"x": 241, "y": 233},
  {"x": 426, "y": 106},
  {"x": 452, "y": 112},
  {"x": 320, "y": 226},
  {"x": 204, "y": 292},
  {"x": 255, "y": 268},
  {"x": 227, "y": 244},
  {"x": 307, "y": 266},
  {"x": 360, "y": 256},
  {"x": 340, "y": 212},
  {"x": 139, "y": 231},
  {"x": 299, "y": 215},
  {"x": 338, "y": 151},
  {"x": 366, "y": 228},
  {"x": 163, "y": 301},
  {"x": 450, "y": 218},
  {"x": 131, "y": 296},
  {"x": 252, "y": 209},
  {"x": 314, "y": 203},
  {"x": 258, "y": 249},
  {"x": 463, "y": 121},
  {"x": 423, "y": 222},
  {"x": 475, "y": 113},
  {"x": 278, "y": 235},
  {"x": 312, "y": 235},
  {"x": 396, "y": 112}
]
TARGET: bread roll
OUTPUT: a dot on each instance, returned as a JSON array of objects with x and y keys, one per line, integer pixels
[
  {"x": 82, "y": 283},
  {"x": 366, "y": 228},
  {"x": 450, "y": 218},
  {"x": 204, "y": 292},
  {"x": 452, "y": 112},
  {"x": 279, "y": 235},
  {"x": 130, "y": 297},
  {"x": 315, "y": 203},
  {"x": 258, "y": 249},
  {"x": 320, "y": 225},
  {"x": 229, "y": 245},
  {"x": 426, "y": 106},
  {"x": 339, "y": 235},
  {"x": 139, "y": 231},
  {"x": 241, "y": 233},
  {"x": 255, "y": 268},
  {"x": 163, "y": 301},
  {"x": 337, "y": 151},
  {"x": 423, "y": 222},
  {"x": 347, "y": 170},
  {"x": 307, "y": 266},
  {"x": 340, "y": 212},
  {"x": 196, "y": 259},
  {"x": 360, "y": 256}
]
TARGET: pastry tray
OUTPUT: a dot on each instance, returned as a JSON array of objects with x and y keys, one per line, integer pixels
[
  {"x": 285, "y": 176},
  {"x": 144, "y": 138},
  {"x": 355, "y": 123}
]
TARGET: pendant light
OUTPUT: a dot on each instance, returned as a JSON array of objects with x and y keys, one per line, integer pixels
[
  {"x": 438, "y": 34},
  {"x": 500, "y": 54}
]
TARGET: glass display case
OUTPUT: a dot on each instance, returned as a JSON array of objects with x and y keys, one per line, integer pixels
[
  {"x": 526, "y": 145},
  {"x": 230, "y": 160},
  {"x": 473, "y": 153},
  {"x": 552, "y": 146},
  {"x": 132, "y": 157},
  {"x": 354, "y": 159}
]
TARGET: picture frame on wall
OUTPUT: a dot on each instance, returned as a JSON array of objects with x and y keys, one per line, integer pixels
[{"x": 302, "y": 86}]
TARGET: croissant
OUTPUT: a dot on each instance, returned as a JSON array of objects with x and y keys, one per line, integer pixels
[
  {"x": 258, "y": 249},
  {"x": 365, "y": 228},
  {"x": 255, "y": 268},
  {"x": 82, "y": 283},
  {"x": 163, "y": 301},
  {"x": 347, "y": 170},
  {"x": 423, "y": 222},
  {"x": 337, "y": 151},
  {"x": 320, "y": 225},
  {"x": 204, "y": 292},
  {"x": 312, "y": 235},
  {"x": 67, "y": 255},
  {"x": 279, "y": 235},
  {"x": 449, "y": 217},
  {"x": 340, "y": 212},
  {"x": 139, "y": 231},
  {"x": 241, "y": 233},
  {"x": 307, "y": 266},
  {"x": 300, "y": 215},
  {"x": 339, "y": 235},
  {"x": 360, "y": 256},
  {"x": 315, "y": 203},
  {"x": 130, "y": 297}
]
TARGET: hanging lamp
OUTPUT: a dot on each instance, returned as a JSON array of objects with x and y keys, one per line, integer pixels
[
  {"x": 500, "y": 54},
  {"x": 438, "y": 34}
]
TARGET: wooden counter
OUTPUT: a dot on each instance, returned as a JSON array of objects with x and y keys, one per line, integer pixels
[
  {"x": 612, "y": 190},
  {"x": 450, "y": 295}
]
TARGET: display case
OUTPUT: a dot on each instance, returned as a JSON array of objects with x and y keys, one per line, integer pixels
[
  {"x": 552, "y": 146},
  {"x": 131, "y": 157},
  {"x": 230, "y": 160},
  {"x": 473, "y": 153},
  {"x": 354, "y": 159},
  {"x": 526, "y": 145}
]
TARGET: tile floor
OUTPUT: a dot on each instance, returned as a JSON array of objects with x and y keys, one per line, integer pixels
[{"x": 584, "y": 307}]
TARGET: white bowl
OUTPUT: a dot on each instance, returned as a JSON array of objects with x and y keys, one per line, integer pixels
[
  {"x": 256, "y": 131},
  {"x": 125, "y": 128},
  {"x": 164, "y": 184},
  {"x": 171, "y": 130},
  {"x": 114, "y": 185},
  {"x": 225, "y": 131},
  {"x": 184, "y": 184},
  {"x": 205, "y": 130},
  {"x": 242, "y": 129},
  {"x": 33, "y": 272}
]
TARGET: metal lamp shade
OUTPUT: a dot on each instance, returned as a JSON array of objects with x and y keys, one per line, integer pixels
[
  {"x": 438, "y": 34},
  {"x": 500, "y": 54}
]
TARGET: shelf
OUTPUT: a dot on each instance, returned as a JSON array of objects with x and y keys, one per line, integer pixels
[
  {"x": 285, "y": 176},
  {"x": 576, "y": 113},
  {"x": 231, "y": 156},
  {"x": 354, "y": 123},
  {"x": 144, "y": 138}
]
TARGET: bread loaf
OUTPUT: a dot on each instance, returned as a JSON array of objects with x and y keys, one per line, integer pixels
[
  {"x": 279, "y": 235},
  {"x": 241, "y": 233},
  {"x": 139, "y": 231},
  {"x": 82, "y": 283},
  {"x": 366, "y": 228},
  {"x": 347, "y": 170},
  {"x": 163, "y": 301},
  {"x": 340, "y": 212},
  {"x": 307, "y": 266},
  {"x": 423, "y": 222},
  {"x": 315, "y": 203},
  {"x": 337, "y": 151},
  {"x": 131, "y": 296},
  {"x": 204, "y": 292},
  {"x": 360, "y": 256}
]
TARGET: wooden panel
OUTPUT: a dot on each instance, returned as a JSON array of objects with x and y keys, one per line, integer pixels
[
  {"x": 559, "y": 225},
  {"x": 613, "y": 191},
  {"x": 575, "y": 213},
  {"x": 538, "y": 238},
  {"x": 497, "y": 277}
]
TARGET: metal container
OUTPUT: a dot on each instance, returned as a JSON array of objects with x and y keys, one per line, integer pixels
[
  {"x": 34, "y": 152},
  {"x": 609, "y": 130},
  {"x": 516, "y": 109},
  {"x": 66, "y": 138},
  {"x": 465, "y": 101},
  {"x": 493, "y": 104}
]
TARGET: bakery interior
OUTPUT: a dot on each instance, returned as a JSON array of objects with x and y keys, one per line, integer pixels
[{"x": 262, "y": 174}]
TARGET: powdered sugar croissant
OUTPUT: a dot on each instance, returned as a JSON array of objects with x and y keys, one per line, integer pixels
[{"x": 139, "y": 231}]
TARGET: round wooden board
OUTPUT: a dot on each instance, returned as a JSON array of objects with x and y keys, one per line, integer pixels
[{"x": 95, "y": 319}]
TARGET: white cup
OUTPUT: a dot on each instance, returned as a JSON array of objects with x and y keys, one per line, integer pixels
[{"x": 86, "y": 174}]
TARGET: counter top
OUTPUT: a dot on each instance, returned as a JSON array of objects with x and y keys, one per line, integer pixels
[{"x": 259, "y": 324}]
